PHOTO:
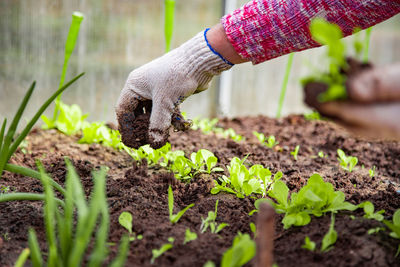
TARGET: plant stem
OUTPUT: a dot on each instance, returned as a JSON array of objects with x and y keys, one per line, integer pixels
[
  {"x": 73, "y": 33},
  {"x": 169, "y": 23},
  {"x": 31, "y": 173},
  {"x": 26, "y": 196},
  {"x": 284, "y": 84},
  {"x": 367, "y": 43}
]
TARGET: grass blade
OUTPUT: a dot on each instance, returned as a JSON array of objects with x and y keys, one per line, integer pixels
[
  {"x": 3, "y": 128},
  {"x": 169, "y": 23},
  {"x": 22, "y": 258},
  {"x": 284, "y": 84},
  {"x": 26, "y": 197},
  {"x": 122, "y": 253},
  {"x": 170, "y": 202},
  {"x": 35, "y": 118},
  {"x": 33, "y": 174},
  {"x": 36, "y": 255}
]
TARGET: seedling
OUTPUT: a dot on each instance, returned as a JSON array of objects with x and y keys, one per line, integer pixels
[
  {"x": 370, "y": 213},
  {"x": 230, "y": 133},
  {"x": 375, "y": 230},
  {"x": 99, "y": 133},
  {"x": 312, "y": 116},
  {"x": 210, "y": 222},
  {"x": 295, "y": 152},
  {"x": 22, "y": 258},
  {"x": 253, "y": 229},
  {"x": 244, "y": 182},
  {"x": 125, "y": 219},
  {"x": 189, "y": 236},
  {"x": 329, "y": 238},
  {"x": 164, "y": 248},
  {"x": 321, "y": 154},
  {"x": 205, "y": 125},
  {"x": 394, "y": 226},
  {"x": 284, "y": 84},
  {"x": 202, "y": 158},
  {"x": 308, "y": 244},
  {"x": 268, "y": 142},
  {"x": 315, "y": 198},
  {"x": 182, "y": 168},
  {"x": 174, "y": 218},
  {"x": 243, "y": 249},
  {"x": 4, "y": 189},
  {"x": 347, "y": 162},
  {"x": 372, "y": 171}
]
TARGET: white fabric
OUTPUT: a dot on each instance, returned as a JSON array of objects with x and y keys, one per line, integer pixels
[{"x": 169, "y": 80}]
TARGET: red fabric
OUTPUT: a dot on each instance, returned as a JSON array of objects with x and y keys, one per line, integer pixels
[{"x": 265, "y": 29}]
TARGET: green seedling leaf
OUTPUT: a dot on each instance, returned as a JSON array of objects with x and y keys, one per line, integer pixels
[
  {"x": 22, "y": 258},
  {"x": 375, "y": 230},
  {"x": 308, "y": 244},
  {"x": 209, "y": 264},
  {"x": 189, "y": 236},
  {"x": 243, "y": 249},
  {"x": 347, "y": 162},
  {"x": 330, "y": 238},
  {"x": 295, "y": 152},
  {"x": 210, "y": 222},
  {"x": 164, "y": 248},
  {"x": 372, "y": 171},
  {"x": 125, "y": 219},
  {"x": 174, "y": 218},
  {"x": 370, "y": 213}
]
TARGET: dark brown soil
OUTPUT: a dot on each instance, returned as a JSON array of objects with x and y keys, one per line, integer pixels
[{"x": 142, "y": 191}]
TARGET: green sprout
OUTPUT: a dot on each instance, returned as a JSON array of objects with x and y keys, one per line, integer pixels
[
  {"x": 315, "y": 198},
  {"x": 125, "y": 219},
  {"x": 394, "y": 226},
  {"x": 174, "y": 218},
  {"x": 330, "y": 237},
  {"x": 22, "y": 258},
  {"x": 312, "y": 116},
  {"x": 347, "y": 162},
  {"x": 189, "y": 236},
  {"x": 268, "y": 142},
  {"x": 284, "y": 84},
  {"x": 243, "y": 249},
  {"x": 372, "y": 171},
  {"x": 210, "y": 222},
  {"x": 295, "y": 152},
  {"x": 370, "y": 213},
  {"x": 164, "y": 248},
  {"x": 321, "y": 154},
  {"x": 308, "y": 244},
  {"x": 204, "y": 157}
]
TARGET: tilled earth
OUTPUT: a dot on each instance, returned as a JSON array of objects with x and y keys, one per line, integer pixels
[{"x": 142, "y": 190}]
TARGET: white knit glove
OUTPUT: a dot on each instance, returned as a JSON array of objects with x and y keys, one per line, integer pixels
[{"x": 168, "y": 81}]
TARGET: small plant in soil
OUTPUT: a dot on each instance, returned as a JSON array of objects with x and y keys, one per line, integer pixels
[
  {"x": 125, "y": 220},
  {"x": 174, "y": 218},
  {"x": 244, "y": 182},
  {"x": 312, "y": 116},
  {"x": 370, "y": 213},
  {"x": 394, "y": 226},
  {"x": 243, "y": 249},
  {"x": 99, "y": 133},
  {"x": 315, "y": 198},
  {"x": 347, "y": 162},
  {"x": 164, "y": 248},
  {"x": 210, "y": 221},
  {"x": 295, "y": 152},
  {"x": 372, "y": 172},
  {"x": 330, "y": 237},
  {"x": 204, "y": 158},
  {"x": 308, "y": 244},
  {"x": 189, "y": 236},
  {"x": 268, "y": 142},
  {"x": 182, "y": 168}
]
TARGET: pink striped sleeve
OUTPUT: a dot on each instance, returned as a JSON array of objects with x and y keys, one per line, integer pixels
[{"x": 265, "y": 29}]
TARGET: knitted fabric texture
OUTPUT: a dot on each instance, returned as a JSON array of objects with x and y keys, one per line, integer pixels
[{"x": 265, "y": 29}]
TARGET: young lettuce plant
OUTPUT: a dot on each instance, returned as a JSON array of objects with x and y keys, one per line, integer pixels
[
  {"x": 269, "y": 142},
  {"x": 330, "y": 237},
  {"x": 174, "y": 218},
  {"x": 182, "y": 168},
  {"x": 125, "y": 220},
  {"x": 210, "y": 222},
  {"x": 204, "y": 158},
  {"x": 394, "y": 226},
  {"x": 243, "y": 249},
  {"x": 308, "y": 244},
  {"x": 295, "y": 152},
  {"x": 189, "y": 236},
  {"x": 315, "y": 198},
  {"x": 347, "y": 162},
  {"x": 370, "y": 213},
  {"x": 99, "y": 133},
  {"x": 164, "y": 248}
]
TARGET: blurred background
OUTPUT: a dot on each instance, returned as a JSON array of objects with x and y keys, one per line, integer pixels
[{"x": 118, "y": 36}]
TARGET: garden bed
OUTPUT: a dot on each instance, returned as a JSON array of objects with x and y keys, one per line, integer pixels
[{"x": 142, "y": 190}]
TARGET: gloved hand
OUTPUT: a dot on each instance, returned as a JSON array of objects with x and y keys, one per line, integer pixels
[{"x": 167, "y": 81}]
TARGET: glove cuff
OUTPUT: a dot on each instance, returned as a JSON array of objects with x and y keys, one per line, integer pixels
[{"x": 201, "y": 60}]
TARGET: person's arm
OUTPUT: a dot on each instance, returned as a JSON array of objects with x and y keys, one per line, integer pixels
[{"x": 265, "y": 29}]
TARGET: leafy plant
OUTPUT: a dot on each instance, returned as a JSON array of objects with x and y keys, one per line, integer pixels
[
  {"x": 66, "y": 245},
  {"x": 375, "y": 230},
  {"x": 268, "y": 142},
  {"x": 125, "y": 219},
  {"x": 189, "y": 236},
  {"x": 174, "y": 218},
  {"x": 182, "y": 168},
  {"x": 347, "y": 162},
  {"x": 244, "y": 182},
  {"x": 210, "y": 222},
  {"x": 204, "y": 157},
  {"x": 230, "y": 133},
  {"x": 315, "y": 198},
  {"x": 205, "y": 125},
  {"x": 312, "y": 116},
  {"x": 372, "y": 171},
  {"x": 330, "y": 237},
  {"x": 394, "y": 226},
  {"x": 295, "y": 152},
  {"x": 164, "y": 248},
  {"x": 284, "y": 84},
  {"x": 243, "y": 249},
  {"x": 99, "y": 133},
  {"x": 370, "y": 213},
  {"x": 308, "y": 244}
]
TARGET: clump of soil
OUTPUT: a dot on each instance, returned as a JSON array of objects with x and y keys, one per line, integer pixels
[
  {"x": 134, "y": 126},
  {"x": 142, "y": 190}
]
